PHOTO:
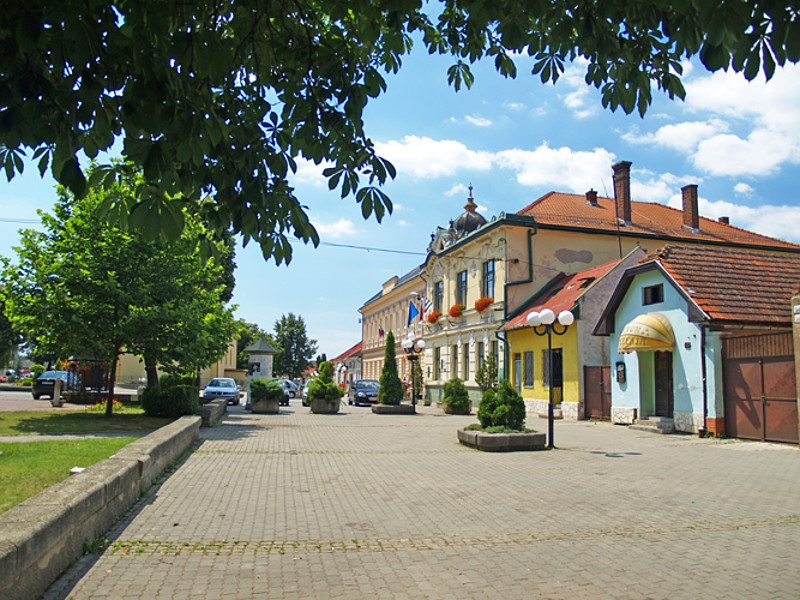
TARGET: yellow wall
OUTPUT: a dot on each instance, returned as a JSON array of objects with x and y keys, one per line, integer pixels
[{"x": 524, "y": 340}]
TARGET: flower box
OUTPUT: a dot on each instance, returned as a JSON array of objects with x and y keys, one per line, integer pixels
[
  {"x": 457, "y": 310},
  {"x": 434, "y": 316},
  {"x": 482, "y": 304}
]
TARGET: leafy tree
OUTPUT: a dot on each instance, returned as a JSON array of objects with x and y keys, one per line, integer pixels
[
  {"x": 247, "y": 334},
  {"x": 8, "y": 337},
  {"x": 294, "y": 346},
  {"x": 83, "y": 287},
  {"x": 217, "y": 100},
  {"x": 391, "y": 391}
]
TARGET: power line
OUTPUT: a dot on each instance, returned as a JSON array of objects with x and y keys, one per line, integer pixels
[
  {"x": 372, "y": 249},
  {"x": 21, "y": 221}
]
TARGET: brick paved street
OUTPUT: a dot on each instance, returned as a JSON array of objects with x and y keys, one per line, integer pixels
[{"x": 358, "y": 505}]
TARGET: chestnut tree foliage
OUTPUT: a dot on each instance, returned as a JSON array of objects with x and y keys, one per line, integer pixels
[{"x": 216, "y": 100}]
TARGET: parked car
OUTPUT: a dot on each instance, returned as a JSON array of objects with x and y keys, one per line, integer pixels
[
  {"x": 291, "y": 387},
  {"x": 363, "y": 391},
  {"x": 305, "y": 392},
  {"x": 224, "y": 388},
  {"x": 44, "y": 384}
]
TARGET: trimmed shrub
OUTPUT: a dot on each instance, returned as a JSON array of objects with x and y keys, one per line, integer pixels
[
  {"x": 391, "y": 391},
  {"x": 323, "y": 387},
  {"x": 172, "y": 401},
  {"x": 266, "y": 389},
  {"x": 456, "y": 396},
  {"x": 502, "y": 408},
  {"x": 37, "y": 370}
]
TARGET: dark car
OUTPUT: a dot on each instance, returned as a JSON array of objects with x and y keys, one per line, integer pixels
[
  {"x": 364, "y": 391},
  {"x": 221, "y": 388},
  {"x": 44, "y": 384}
]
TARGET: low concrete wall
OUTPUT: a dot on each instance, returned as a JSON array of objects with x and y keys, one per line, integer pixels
[
  {"x": 43, "y": 535},
  {"x": 212, "y": 412}
]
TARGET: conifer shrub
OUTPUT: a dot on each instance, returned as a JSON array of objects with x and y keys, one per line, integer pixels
[
  {"x": 391, "y": 391},
  {"x": 266, "y": 389},
  {"x": 502, "y": 408},
  {"x": 323, "y": 387},
  {"x": 456, "y": 396}
]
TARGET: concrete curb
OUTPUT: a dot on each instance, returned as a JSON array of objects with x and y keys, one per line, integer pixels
[
  {"x": 43, "y": 535},
  {"x": 501, "y": 442}
]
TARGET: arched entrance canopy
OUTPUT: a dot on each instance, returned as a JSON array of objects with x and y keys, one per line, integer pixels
[{"x": 649, "y": 332}]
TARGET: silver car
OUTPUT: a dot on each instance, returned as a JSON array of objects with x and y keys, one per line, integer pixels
[{"x": 222, "y": 388}]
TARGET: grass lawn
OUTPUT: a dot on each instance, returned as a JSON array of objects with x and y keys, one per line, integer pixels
[
  {"x": 76, "y": 421},
  {"x": 27, "y": 468}
]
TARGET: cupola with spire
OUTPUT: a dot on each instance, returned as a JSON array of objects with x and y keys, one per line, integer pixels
[{"x": 469, "y": 220}]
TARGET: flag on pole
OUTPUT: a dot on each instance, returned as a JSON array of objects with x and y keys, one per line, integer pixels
[
  {"x": 412, "y": 312},
  {"x": 426, "y": 306}
]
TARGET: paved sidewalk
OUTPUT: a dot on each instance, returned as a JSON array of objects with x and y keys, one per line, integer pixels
[{"x": 358, "y": 505}]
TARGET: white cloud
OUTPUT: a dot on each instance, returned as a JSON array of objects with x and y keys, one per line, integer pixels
[
  {"x": 458, "y": 188},
  {"x": 649, "y": 187},
  {"x": 683, "y": 137},
  {"x": 514, "y": 105},
  {"x": 561, "y": 168},
  {"x": 761, "y": 153},
  {"x": 309, "y": 173},
  {"x": 775, "y": 221},
  {"x": 427, "y": 158},
  {"x": 338, "y": 229},
  {"x": 478, "y": 121},
  {"x": 743, "y": 188}
]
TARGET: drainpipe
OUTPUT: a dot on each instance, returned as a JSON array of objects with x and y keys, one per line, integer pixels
[{"x": 705, "y": 385}]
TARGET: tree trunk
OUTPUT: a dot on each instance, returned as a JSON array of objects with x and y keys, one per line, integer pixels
[
  {"x": 151, "y": 369},
  {"x": 112, "y": 381}
]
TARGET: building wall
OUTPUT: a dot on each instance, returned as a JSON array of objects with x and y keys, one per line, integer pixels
[{"x": 687, "y": 381}]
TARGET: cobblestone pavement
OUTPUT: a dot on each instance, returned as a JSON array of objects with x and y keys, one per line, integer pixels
[{"x": 358, "y": 505}]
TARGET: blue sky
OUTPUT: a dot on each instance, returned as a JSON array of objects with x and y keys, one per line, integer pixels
[{"x": 514, "y": 141}]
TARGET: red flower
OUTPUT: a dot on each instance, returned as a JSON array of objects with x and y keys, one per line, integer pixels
[
  {"x": 483, "y": 303},
  {"x": 456, "y": 310},
  {"x": 434, "y": 316}
]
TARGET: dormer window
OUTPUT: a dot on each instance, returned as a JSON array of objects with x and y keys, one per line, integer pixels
[{"x": 653, "y": 294}]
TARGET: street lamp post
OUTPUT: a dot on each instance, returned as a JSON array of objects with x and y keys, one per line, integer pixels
[
  {"x": 546, "y": 319},
  {"x": 413, "y": 347}
]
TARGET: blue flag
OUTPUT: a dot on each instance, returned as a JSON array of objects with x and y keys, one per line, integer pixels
[{"x": 412, "y": 312}]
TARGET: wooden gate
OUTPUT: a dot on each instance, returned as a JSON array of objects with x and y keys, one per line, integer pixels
[
  {"x": 597, "y": 392},
  {"x": 759, "y": 388}
]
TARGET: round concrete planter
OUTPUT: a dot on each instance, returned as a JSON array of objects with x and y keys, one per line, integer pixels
[
  {"x": 320, "y": 406},
  {"x": 265, "y": 406},
  {"x": 460, "y": 411},
  {"x": 501, "y": 442},
  {"x": 393, "y": 409}
]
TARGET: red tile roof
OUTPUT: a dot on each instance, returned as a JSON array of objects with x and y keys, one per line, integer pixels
[
  {"x": 348, "y": 353},
  {"x": 561, "y": 293},
  {"x": 734, "y": 285},
  {"x": 647, "y": 219}
]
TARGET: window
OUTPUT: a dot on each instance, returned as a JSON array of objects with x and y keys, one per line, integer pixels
[
  {"x": 466, "y": 362},
  {"x": 528, "y": 363},
  {"x": 479, "y": 357},
  {"x": 454, "y": 357},
  {"x": 653, "y": 294},
  {"x": 496, "y": 354},
  {"x": 461, "y": 288},
  {"x": 437, "y": 361},
  {"x": 438, "y": 295},
  {"x": 487, "y": 281}
]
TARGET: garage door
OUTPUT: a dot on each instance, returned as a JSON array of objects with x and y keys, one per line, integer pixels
[{"x": 759, "y": 389}]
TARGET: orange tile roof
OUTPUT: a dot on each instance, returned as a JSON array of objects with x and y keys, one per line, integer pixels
[
  {"x": 648, "y": 219},
  {"x": 561, "y": 293},
  {"x": 348, "y": 353},
  {"x": 734, "y": 285}
]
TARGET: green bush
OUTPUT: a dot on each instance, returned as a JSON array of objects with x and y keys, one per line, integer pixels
[
  {"x": 323, "y": 387},
  {"x": 172, "y": 401},
  {"x": 391, "y": 390},
  {"x": 27, "y": 381},
  {"x": 502, "y": 408},
  {"x": 266, "y": 389},
  {"x": 456, "y": 396},
  {"x": 37, "y": 370}
]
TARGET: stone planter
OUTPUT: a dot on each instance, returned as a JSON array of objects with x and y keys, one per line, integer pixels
[
  {"x": 393, "y": 409},
  {"x": 265, "y": 406},
  {"x": 501, "y": 442},
  {"x": 320, "y": 406},
  {"x": 458, "y": 411}
]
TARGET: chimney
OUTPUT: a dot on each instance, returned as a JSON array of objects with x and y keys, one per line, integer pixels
[
  {"x": 591, "y": 198},
  {"x": 691, "y": 218},
  {"x": 725, "y": 220},
  {"x": 622, "y": 189}
]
